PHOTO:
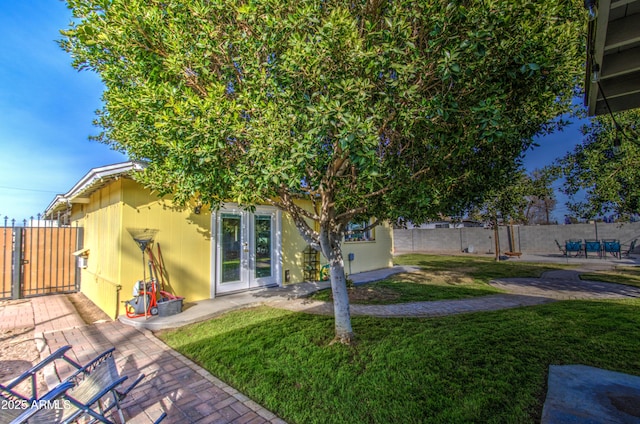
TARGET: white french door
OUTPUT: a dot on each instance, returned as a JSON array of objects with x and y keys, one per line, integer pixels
[{"x": 247, "y": 249}]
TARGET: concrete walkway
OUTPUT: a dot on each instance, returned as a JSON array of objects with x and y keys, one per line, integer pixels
[
  {"x": 173, "y": 383},
  {"x": 285, "y": 297},
  {"x": 553, "y": 285},
  {"x": 565, "y": 285}
]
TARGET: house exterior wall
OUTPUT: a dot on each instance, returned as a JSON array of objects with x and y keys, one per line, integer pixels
[
  {"x": 292, "y": 247},
  {"x": 115, "y": 261},
  {"x": 368, "y": 255},
  {"x": 183, "y": 236},
  {"x": 102, "y": 223}
]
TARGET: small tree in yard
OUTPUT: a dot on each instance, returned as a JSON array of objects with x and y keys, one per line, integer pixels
[
  {"x": 541, "y": 199},
  {"x": 366, "y": 108},
  {"x": 512, "y": 202}
]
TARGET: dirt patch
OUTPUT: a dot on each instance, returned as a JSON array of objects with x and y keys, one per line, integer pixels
[
  {"x": 364, "y": 294},
  {"x": 18, "y": 353},
  {"x": 457, "y": 277},
  {"x": 87, "y": 310}
]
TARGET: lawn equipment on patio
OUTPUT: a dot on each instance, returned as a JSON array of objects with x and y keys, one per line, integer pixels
[
  {"x": 145, "y": 298},
  {"x": 157, "y": 262},
  {"x": 144, "y": 302},
  {"x": 149, "y": 298}
]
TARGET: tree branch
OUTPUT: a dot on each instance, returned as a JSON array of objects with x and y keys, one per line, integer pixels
[
  {"x": 298, "y": 214},
  {"x": 348, "y": 215}
]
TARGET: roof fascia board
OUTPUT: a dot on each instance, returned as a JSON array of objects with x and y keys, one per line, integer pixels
[
  {"x": 102, "y": 172},
  {"x": 81, "y": 190},
  {"x": 595, "y": 53}
]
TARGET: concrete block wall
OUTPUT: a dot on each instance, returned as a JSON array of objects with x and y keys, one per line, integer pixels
[{"x": 536, "y": 239}]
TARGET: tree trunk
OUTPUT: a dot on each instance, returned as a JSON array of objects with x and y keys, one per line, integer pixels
[
  {"x": 344, "y": 332},
  {"x": 342, "y": 315},
  {"x": 497, "y": 239},
  {"x": 326, "y": 240}
]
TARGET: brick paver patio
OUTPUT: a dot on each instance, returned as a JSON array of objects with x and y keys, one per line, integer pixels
[{"x": 172, "y": 383}]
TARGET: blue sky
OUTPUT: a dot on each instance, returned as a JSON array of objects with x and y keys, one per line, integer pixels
[{"x": 47, "y": 109}]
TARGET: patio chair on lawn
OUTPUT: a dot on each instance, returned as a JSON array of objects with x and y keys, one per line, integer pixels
[
  {"x": 31, "y": 375},
  {"x": 612, "y": 247},
  {"x": 627, "y": 253},
  {"x": 573, "y": 246},
  {"x": 560, "y": 248},
  {"x": 91, "y": 392},
  {"x": 592, "y": 246}
]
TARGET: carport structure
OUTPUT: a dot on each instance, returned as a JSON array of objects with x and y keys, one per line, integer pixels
[{"x": 612, "y": 80}]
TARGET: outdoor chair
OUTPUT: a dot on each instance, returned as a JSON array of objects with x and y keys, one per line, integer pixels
[
  {"x": 632, "y": 246},
  {"x": 592, "y": 246},
  {"x": 31, "y": 375},
  {"x": 92, "y": 391},
  {"x": 13, "y": 407},
  {"x": 560, "y": 248},
  {"x": 612, "y": 247},
  {"x": 573, "y": 246}
]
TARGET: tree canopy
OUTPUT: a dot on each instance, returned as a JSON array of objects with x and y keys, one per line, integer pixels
[
  {"x": 602, "y": 174},
  {"x": 366, "y": 108}
]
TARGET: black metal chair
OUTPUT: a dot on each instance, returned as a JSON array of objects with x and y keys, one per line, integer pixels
[
  {"x": 31, "y": 375},
  {"x": 560, "y": 248},
  {"x": 632, "y": 246}
]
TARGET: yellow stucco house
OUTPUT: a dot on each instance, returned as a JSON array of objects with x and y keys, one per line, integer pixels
[{"x": 205, "y": 254}]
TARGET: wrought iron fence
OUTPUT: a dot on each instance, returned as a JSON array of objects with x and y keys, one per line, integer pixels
[{"x": 37, "y": 257}]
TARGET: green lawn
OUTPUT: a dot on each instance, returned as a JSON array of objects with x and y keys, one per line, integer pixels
[
  {"x": 481, "y": 367},
  {"x": 481, "y": 268},
  {"x": 441, "y": 277}
]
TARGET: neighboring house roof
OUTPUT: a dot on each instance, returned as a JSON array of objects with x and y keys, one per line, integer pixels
[
  {"x": 613, "y": 48},
  {"x": 90, "y": 183}
]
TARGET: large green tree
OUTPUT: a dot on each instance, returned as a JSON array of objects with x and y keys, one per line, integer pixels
[
  {"x": 365, "y": 108},
  {"x": 602, "y": 174}
]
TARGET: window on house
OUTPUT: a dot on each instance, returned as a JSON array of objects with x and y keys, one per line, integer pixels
[
  {"x": 357, "y": 231},
  {"x": 442, "y": 225}
]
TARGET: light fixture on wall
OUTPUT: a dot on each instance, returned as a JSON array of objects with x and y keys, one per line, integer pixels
[{"x": 591, "y": 7}]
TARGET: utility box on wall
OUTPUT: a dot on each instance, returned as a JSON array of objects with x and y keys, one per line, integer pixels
[
  {"x": 82, "y": 262},
  {"x": 82, "y": 258}
]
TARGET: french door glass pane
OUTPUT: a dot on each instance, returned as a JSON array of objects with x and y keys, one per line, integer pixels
[
  {"x": 231, "y": 245},
  {"x": 263, "y": 246}
]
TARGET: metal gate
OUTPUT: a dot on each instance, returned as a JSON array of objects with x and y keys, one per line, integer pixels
[{"x": 37, "y": 258}]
